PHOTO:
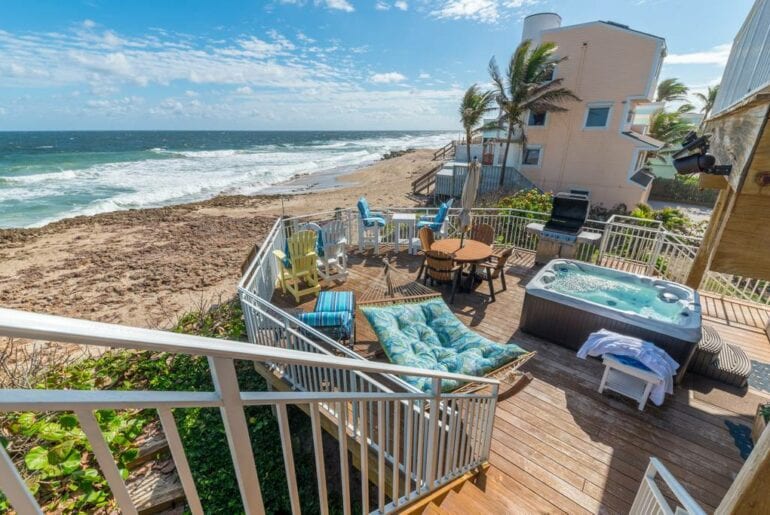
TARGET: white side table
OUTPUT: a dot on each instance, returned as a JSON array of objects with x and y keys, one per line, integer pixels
[
  {"x": 628, "y": 379},
  {"x": 403, "y": 219}
]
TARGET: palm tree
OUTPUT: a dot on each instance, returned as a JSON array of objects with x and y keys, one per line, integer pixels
[
  {"x": 527, "y": 87},
  {"x": 708, "y": 100},
  {"x": 672, "y": 90},
  {"x": 474, "y": 106},
  {"x": 668, "y": 127}
]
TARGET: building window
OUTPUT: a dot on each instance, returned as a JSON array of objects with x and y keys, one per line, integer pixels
[
  {"x": 598, "y": 116},
  {"x": 549, "y": 74},
  {"x": 536, "y": 119},
  {"x": 532, "y": 156}
]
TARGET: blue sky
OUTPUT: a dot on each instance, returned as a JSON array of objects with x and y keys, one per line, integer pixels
[{"x": 298, "y": 64}]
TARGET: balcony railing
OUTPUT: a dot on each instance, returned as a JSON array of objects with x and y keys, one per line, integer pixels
[
  {"x": 419, "y": 441},
  {"x": 661, "y": 494}
]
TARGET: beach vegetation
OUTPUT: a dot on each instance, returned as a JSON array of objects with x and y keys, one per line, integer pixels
[
  {"x": 527, "y": 86},
  {"x": 475, "y": 104}
]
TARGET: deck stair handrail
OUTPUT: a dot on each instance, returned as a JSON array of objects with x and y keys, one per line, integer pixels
[
  {"x": 650, "y": 499},
  {"x": 425, "y": 439},
  {"x": 445, "y": 152},
  {"x": 427, "y": 180}
]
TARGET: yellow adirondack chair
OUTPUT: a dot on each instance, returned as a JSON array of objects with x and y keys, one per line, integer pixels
[{"x": 302, "y": 266}]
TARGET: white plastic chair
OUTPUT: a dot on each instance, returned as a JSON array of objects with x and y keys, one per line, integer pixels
[{"x": 333, "y": 264}]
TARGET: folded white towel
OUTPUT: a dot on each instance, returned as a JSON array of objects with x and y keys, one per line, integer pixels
[{"x": 606, "y": 342}]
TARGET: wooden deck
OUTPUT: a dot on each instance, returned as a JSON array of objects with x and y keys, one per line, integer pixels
[{"x": 559, "y": 445}]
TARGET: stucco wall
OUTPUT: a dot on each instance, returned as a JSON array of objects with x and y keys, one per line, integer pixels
[{"x": 604, "y": 64}]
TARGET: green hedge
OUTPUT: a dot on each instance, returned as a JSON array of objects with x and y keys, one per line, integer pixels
[{"x": 682, "y": 190}]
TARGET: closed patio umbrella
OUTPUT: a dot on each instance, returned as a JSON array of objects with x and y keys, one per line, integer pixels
[{"x": 468, "y": 199}]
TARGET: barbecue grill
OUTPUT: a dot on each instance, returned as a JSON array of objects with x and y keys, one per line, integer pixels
[{"x": 568, "y": 214}]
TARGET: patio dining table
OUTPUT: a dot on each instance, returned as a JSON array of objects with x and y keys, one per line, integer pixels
[{"x": 470, "y": 252}]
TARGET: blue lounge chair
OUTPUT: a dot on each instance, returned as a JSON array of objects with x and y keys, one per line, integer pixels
[
  {"x": 437, "y": 223},
  {"x": 369, "y": 225}
]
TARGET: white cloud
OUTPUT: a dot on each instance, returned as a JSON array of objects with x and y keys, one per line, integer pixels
[
  {"x": 210, "y": 80},
  {"x": 301, "y": 36},
  {"x": 424, "y": 76},
  {"x": 339, "y": 5},
  {"x": 89, "y": 24},
  {"x": 382, "y": 6},
  {"x": 387, "y": 78},
  {"x": 401, "y": 5},
  {"x": 484, "y": 11},
  {"x": 717, "y": 55}
]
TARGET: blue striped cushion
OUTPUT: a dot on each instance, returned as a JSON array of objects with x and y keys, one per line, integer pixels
[
  {"x": 320, "y": 319},
  {"x": 331, "y": 301}
]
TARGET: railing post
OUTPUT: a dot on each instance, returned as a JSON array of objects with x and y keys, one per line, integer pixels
[
  {"x": 226, "y": 385},
  {"x": 659, "y": 237},
  {"x": 490, "y": 423},
  {"x": 433, "y": 431},
  {"x": 13, "y": 486}
]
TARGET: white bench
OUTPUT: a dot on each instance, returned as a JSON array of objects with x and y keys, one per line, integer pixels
[{"x": 625, "y": 376}]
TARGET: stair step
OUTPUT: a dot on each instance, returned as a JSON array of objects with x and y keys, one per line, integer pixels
[
  {"x": 456, "y": 502},
  {"x": 155, "y": 487},
  {"x": 491, "y": 502},
  {"x": 512, "y": 500},
  {"x": 434, "y": 509}
]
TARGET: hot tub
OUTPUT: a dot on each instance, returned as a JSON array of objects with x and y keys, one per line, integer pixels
[{"x": 568, "y": 300}]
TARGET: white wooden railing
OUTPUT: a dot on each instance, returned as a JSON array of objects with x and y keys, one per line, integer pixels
[
  {"x": 625, "y": 241},
  {"x": 673, "y": 499},
  {"x": 419, "y": 440}
]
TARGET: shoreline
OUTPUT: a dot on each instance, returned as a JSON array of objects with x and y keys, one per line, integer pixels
[{"x": 145, "y": 267}]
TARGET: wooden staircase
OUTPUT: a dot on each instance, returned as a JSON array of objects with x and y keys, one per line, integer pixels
[
  {"x": 424, "y": 183},
  {"x": 472, "y": 494}
]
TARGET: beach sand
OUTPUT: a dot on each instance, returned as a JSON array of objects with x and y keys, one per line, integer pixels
[{"x": 146, "y": 267}]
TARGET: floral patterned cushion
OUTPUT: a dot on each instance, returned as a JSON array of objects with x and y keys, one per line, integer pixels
[{"x": 428, "y": 335}]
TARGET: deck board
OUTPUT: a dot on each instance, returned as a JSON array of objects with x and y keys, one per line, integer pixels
[{"x": 560, "y": 444}]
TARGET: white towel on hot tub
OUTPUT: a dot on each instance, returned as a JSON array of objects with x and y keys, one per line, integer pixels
[{"x": 606, "y": 342}]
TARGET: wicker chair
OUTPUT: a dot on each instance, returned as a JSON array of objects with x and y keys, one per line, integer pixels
[
  {"x": 484, "y": 233},
  {"x": 441, "y": 268},
  {"x": 426, "y": 242},
  {"x": 494, "y": 268}
]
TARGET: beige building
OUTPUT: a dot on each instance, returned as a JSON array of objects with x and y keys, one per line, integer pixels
[{"x": 595, "y": 147}]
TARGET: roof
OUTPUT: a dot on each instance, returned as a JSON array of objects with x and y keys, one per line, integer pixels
[
  {"x": 612, "y": 24},
  {"x": 643, "y": 138},
  {"x": 626, "y": 27}
]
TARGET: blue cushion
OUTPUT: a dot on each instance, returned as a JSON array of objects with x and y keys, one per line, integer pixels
[
  {"x": 335, "y": 301},
  {"x": 433, "y": 226},
  {"x": 287, "y": 259},
  {"x": 341, "y": 319},
  {"x": 428, "y": 335},
  {"x": 442, "y": 212},
  {"x": 319, "y": 244},
  {"x": 373, "y": 220},
  {"x": 363, "y": 208}
]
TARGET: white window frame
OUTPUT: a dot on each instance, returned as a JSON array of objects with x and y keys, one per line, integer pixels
[
  {"x": 539, "y": 156},
  {"x": 547, "y": 117},
  {"x": 596, "y": 105}
]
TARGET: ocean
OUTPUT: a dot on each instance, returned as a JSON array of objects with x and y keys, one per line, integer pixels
[{"x": 47, "y": 176}]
